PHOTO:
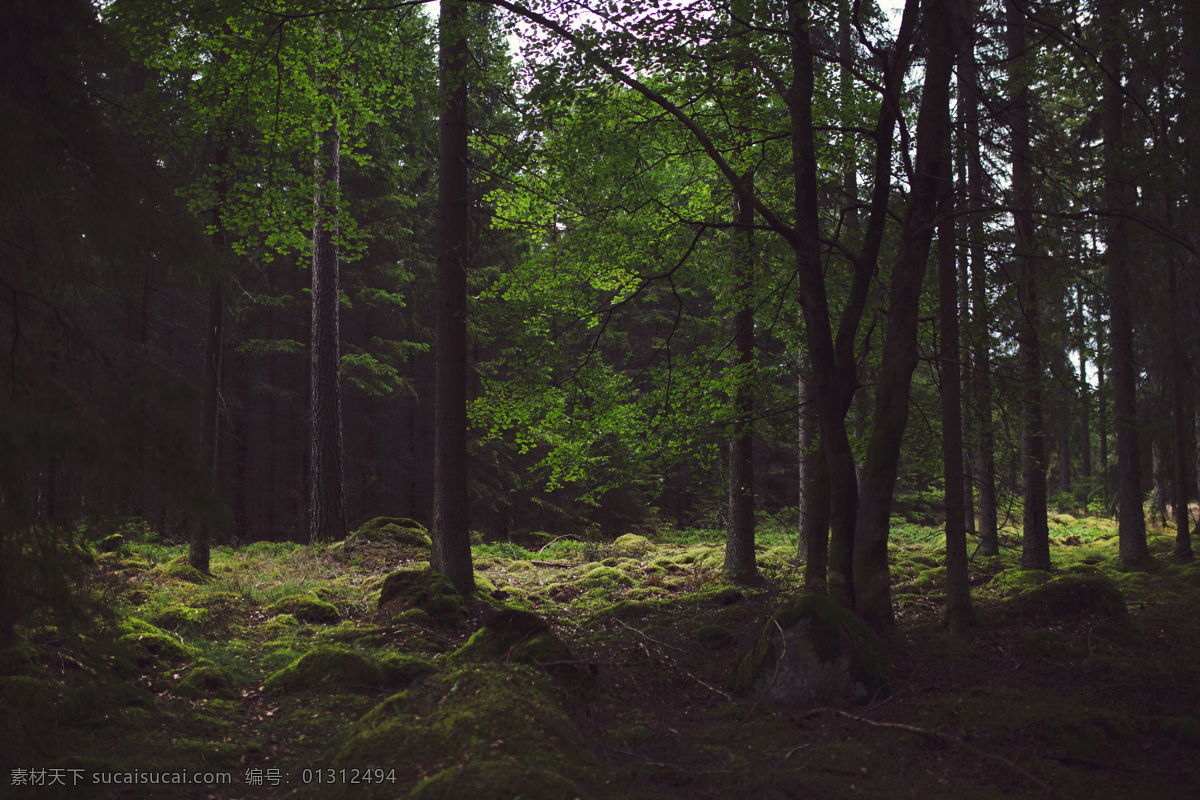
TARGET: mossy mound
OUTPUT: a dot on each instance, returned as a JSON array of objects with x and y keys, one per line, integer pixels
[
  {"x": 602, "y": 577},
  {"x": 426, "y": 590},
  {"x": 824, "y": 655},
  {"x": 1015, "y": 579},
  {"x": 712, "y": 634},
  {"x": 1184, "y": 730},
  {"x": 306, "y": 608},
  {"x": 177, "y": 617},
  {"x": 151, "y": 644},
  {"x": 118, "y": 562},
  {"x": 393, "y": 530},
  {"x": 331, "y": 667},
  {"x": 1069, "y": 596},
  {"x": 521, "y": 637},
  {"x": 631, "y": 544},
  {"x": 112, "y": 543},
  {"x": 208, "y": 682},
  {"x": 478, "y": 730},
  {"x": 180, "y": 570}
]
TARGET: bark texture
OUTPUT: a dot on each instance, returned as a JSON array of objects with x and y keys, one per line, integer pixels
[{"x": 451, "y": 553}]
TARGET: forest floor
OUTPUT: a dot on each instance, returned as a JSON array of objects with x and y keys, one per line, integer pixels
[{"x": 283, "y": 675}]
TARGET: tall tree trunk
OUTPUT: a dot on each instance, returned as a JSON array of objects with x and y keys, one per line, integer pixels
[
  {"x": 740, "y": 563},
  {"x": 1180, "y": 412},
  {"x": 1035, "y": 537},
  {"x": 1131, "y": 518},
  {"x": 989, "y": 544},
  {"x": 451, "y": 554},
  {"x": 872, "y": 587},
  {"x": 1085, "y": 393},
  {"x": 958, "y": 589},
  {"x": 327, "y": 504},
  {"x": 199, "y": 549}
]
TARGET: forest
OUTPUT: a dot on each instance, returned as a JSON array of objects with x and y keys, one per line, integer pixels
[{"x": 599, "y": 398}]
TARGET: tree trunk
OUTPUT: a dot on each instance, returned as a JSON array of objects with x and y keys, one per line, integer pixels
[
  {"x": 740, "y": 563},
  {"x": 814, "y": 494},
  {"x": 872, "y": 586},
  {"x": 981, "y": 356},
  {"x": 958, "y": 594},
  {"x": 1085, "y": 393},
  {"x": 1180, "y": 413},
  {"x": 327, "y": 509},
  {"x": 1035, "y": 536},
  {"x": 451, "y": 554},
  {"x": 199, "y": 549},
  {"x": 1131, "y": 518}
]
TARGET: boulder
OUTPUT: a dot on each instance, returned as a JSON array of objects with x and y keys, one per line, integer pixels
[{"x": 813, "y": 652}]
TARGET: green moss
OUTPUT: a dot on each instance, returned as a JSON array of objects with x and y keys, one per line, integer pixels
[
  {"x": 280, "y": 624},
  {"x": 632, "y": 544},
  {"x": 152, "y": 644},
  {"x": 305, "y": 607},
  {"x": 1070, "y": 595},
  {"x": 1016, "y": 579},
  {"x": 397, "y": 530},
  {"x": 930, "y": 580},
  {"x": 518, "y": 636},
  {"x": 413, "y": 616},
  {"x": 177, "y": 617},
  {"x": 339, "y": 668},
  {"x": 475, "y": 714},
  {"x": 601, "y": 577},
  {"x": 712, "y": 634},
  {"x": 426, "y": 590},
  {"x": 1052, "y": 643},
  {"x": 401, "y": 669},
  {"x": 180, "y": 570},
  {"x": 208, "y": 682}
]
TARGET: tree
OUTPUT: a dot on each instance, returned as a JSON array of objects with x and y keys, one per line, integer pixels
[
  {"x": 1035, "y": 535},
  {"x": 1131, "y": 517},
  {"x": 327, "y": 514},
  {"x": 451, "y": 553}
]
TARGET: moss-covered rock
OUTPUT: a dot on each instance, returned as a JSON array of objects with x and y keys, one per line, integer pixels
[
  {"x": 395, "y": 530},
  {"x": 331, "y": 667},
  {"x": 476, "y": 730},
  {"x": 151, "y": 643},
  {"x": 521, "y": 637},
  {"x": 306, "y": 608},
  {"x": 112, "y": 543},
  {"x": 813, "y": 651},
  {"x": 208, "y": 682},
  {"x": 631, "y": 544},
  {"x": 426, "y": 590}
]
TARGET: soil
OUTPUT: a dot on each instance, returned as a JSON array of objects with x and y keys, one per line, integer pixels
[{"x": 1066, "y": 699}]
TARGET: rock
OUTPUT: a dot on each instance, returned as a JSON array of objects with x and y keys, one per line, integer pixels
[
  {"x": 825, "y": 656},
  {"x": 426, "y": 590},
  {"x": 631, "y": 544}
]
